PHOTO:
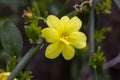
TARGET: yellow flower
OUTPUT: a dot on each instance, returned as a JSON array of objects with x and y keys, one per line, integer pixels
[
  {"x": 64, "y": 35},
  {"x": 4, "y": 75}
]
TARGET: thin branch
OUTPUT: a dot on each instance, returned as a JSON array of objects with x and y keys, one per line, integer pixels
[
  {"x": 111, "y": 63},
  {"x": 79, "y": 8}
]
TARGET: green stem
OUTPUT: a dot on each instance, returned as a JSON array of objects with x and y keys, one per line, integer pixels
[
  {"x": 95, "y": 70},
  {"x": 25, "y": 60},
  {"x": 91, "y": 32},
  {"x": 91, "y": 36},
  {"x": 40, "y": 18},
  {"x": 73, "y": 13}
]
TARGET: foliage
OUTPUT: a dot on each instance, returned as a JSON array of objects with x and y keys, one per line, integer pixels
[
  {"x": 11, "y": 39},
  {"x": 33, "y": 33},
  {"x": 33, "y": 30},
  {"x": 13, "y": 4},
  {"x": 97, "y": 59},
  {"x": 104, "y": 7},
  {"x": 11, "y": 65},
  {"x": 99, "y": 34},
  {"x": 25, "y": 75}
]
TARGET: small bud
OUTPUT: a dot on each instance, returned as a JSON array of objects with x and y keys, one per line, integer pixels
[
  {"x": 33, "y": 33},
  {"x": 97, "y": 59},
  {"x": 4, "y": 75},
  {"x": 27, "y": 14}
]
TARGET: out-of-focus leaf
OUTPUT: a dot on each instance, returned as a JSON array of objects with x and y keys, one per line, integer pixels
[
  {"x": 97, "y": 59},
  {"x": 76, "y": 66},
  {"x": 1, "y": 24},
  {"x": 1, "y": 70},
  {"x": 72, "y": 14},
  {"x": 4, "y": 56},
  {"x": 75, "y": 69},
  {"x": 11, "y": 64},
  {"x": 117, "y": 2},
  {"x": 33, "y": 33},
  {"x": 99, "y": 34},
  {"x": 11, "y": 38},
  {"x": 27, "y": 75},
  {"x": 104, "y": 7},
  {"x": 35, "y": 9},
  {"x": 13, "y": 4}
]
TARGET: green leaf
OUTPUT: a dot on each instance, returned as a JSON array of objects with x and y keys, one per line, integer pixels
[
  {"x": 104, "y": 7},
  {"x": 13, "y": 4},
  {"x": 117, "y": 2},
  {"x": 1, "y": 24},
  {"x": 97, "y": 59},
  {"x": 11, "y": 38},
  {"x": 11, "y": 64},
  {"x": 27, "y": 75},
  {"x": 1, "y": 70},
  {"x": 35, "y": 9},
  {"x": 33, "y": 33},
  {"x": 4, "y": 56},
  {"x": 75, "y": 69},
  {"x": 99, "y": 34},
  {"x": 76, "y": 66}
]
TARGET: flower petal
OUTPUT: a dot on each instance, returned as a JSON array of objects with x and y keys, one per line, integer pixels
[
  {"x": 53, "y": 22},
  {"x": 64, "y": 20},
  {"x": 68, "y": 52},
  {"x": 50, "y": 34},
  {"x": 53, "y": 50},
  {"x": 77, "y": 39},
  {"x": 74, "y": 24}
]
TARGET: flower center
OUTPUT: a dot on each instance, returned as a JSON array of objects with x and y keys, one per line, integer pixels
[{"x": 64, "y": 38}]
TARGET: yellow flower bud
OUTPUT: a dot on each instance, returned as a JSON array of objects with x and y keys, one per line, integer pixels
[{"x": 4, "y": 75}]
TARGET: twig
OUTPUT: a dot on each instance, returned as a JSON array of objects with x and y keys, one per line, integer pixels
[
  {"x": 111, "y": 63},
  {"x": 79, "y": 8}
]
